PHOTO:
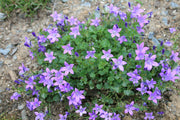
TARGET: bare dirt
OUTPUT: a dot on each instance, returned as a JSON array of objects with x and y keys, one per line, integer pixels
[{"x": 14, "y": 30}]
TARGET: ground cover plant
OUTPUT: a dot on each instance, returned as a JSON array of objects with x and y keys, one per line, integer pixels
[
  {"x": 99, "y": 68},
  {"x": 29, "y": 7}
]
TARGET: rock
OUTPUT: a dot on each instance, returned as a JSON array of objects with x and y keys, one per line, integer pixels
[
  {"x": 165, "y": 21},
  {"x": 64, "y": 1},
  {"x": 86, "y": 4},
  {"x": 14, "y": 51},
  {"x": 29, "y": 30},
  {"x": 2, "y": 16},
  {"x": 151, "y": 35},
  {"x": 24, "y": 115},
  {"x": 1, "y": 36},
  {"x": 174, "y": 5},
  {"x": 164, "y": 13},
  {"x": 1, "y": 63},
  {"x": 155, "y": 41},
  {"x": 20, "y": 106},
  {"x": 12, "y": 75},
  {"x": 14, "y": 57},
  {"x": 66, "y": 12},
  {"x": 7, "y": 50}
]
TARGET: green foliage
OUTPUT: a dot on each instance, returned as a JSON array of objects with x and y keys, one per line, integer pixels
[{"x": 29, "y": 7}]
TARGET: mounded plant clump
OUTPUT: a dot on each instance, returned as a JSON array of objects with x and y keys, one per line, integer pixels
[{"x": 100, "y": 68}]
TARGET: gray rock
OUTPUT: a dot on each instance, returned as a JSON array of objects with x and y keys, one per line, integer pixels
[
  {"x": 14, "y": 57},
  {"x": 1, "y": 63},
  {"x": 165, "y": 21},
  {"x": 14, "y": 51},
  {"x": 86, "y": 4},
  {"x": 164, "y": 13},
  {"x": 174, "y": 5},
  {"x": 155, "y": 41},
  {"x": 64, "y": 1},
  {"x": 29, "y": 30},
  {"x": 7, "y": 50},
  {"x": 2, "y": 16},
  {"x": 151, "y": 35},
  {"x": 20, "y": 106},
  {"x": 24, "y": 115}
]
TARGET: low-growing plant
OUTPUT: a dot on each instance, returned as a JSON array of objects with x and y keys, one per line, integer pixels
[
  {"x": 29, "y": 7},
  {"x": 103, "y": 60}
]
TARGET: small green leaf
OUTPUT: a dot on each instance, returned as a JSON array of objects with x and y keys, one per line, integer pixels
[
  {"x": 128, "y": 92},
  {"x": 99, "y": 86}
]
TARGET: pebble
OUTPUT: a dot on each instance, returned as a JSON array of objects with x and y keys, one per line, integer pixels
[
  {"x": 14, "y": 51},
  {"x": 164, "y": 13},
  {"x": 174, "y": 5},
  {"x": 165, "y": 21},
  {"x": 20, "y": 106},
  {"x": 29, "y": 30},
  {"x": 2, "y": 16},
  {"x": 24, "y": 115},
  {"x": 155, "y": 41},
  {"x": 7, "y": 50},
  {"x": 151, "y": 35},
  {"x": 14, "y": 57},
  {"x": 1, "y": 63},
  {"x": 86, "y": 4},
  {"x": 64, "y": 1}
]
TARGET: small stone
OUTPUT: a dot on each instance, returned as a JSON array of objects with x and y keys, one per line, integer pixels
[
  {"x": 24, "y": 115},
  {"x": 5, "y": 51},
  {"x": 14, "y": 57},
  {"x": 29, "y": 30},
  {"x": 66, "y": 12},
  {"x": 165, "y": 21},
  {"x": 151, "y": 35},
  {"x": 164, "y": 13},
  {"x": 1, "y": 36},
  {"x": 64, "y": 1},
  {"x": 14, "y": 51},
  {"x": 20, "y": 106},
  {"x": 2, "y": 16},
  {"x": 12, "y": 75},
  {"x": 1, "y": 63},
  {"x": 86, "y": 4},
  {"x": 174, "y": 5},
  {"x": 155, "y": 41}
]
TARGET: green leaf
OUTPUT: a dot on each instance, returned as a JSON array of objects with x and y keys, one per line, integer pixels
[
  {"x": 56, "y": 98},
  {"x": 128, "y": 92},
  {"x": 99, "y": 86},
  {"x": 92, "y": 75},
  {"x": 43, "y": 95}
]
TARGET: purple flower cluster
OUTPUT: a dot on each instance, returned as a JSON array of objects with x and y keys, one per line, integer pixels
[{"x": 34, "y": 104}]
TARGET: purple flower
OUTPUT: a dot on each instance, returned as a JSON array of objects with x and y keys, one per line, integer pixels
[
  {"x": 149, "y": 116},
  {"x": 119, "y": 63},
  {"x": 55, "y": 16},
  {"x": 74, "y": 31},
  {"x": 149, "y": 62},
  {"x": 15, "y": 96},
  {"x": 30, "y": 83},
  {"x": 168, "y": 43},
  {"x": 130, "y": 55},
  {"x": 97, "y": 108},
  {"x": 76, "y": 53},
  {"x": 134, "y": 77},
  {"x": 129, "y": 4},
  {"x": 139, "y": 29},
  {"x": 36, "y": 103},
  {"x": 90, "y": 54},
  {"x": 113, "y": 9},
  {"x": 81, "y": 111},
  {"x": 169, "y": 75},
  {"x": 163, "y": 50},
  {"x": 67, "y": 49},
  {"x": 53, "y": 35},
  {"x": 154, "y": 96},
  {"x": 42, "y": 39},
  {"x": 122, "y": 39},
  {"x": 73, "y": 21},
  {"x": 62, "y": 117},
  {"x": 41, "y": 48},
  {"x": 65, "y": 87},
  {"x": 140, "y": 52},
  {"x": 39, "y": 116},
  {"x": 150, "y": 83},
  {"x": 115, "y": 31},
  {"x": 160, "y": 113},
  {"x": 142, "y": 20},
  {"x": 107, "y": 54},
  {"x": 122, "y": 15},
  {"x": 136, "y": 11},
  {"x": 154, "y": 47},
  {"x": 161, "y": 43},
  {"x": 78, "y": 94},
  {"x": 68, "y": 68},
  {"x": 31, "y": 54},
  {"x": 138, "y": 66},
  {"x": 172, "y": 30},
  {"x": 174, "y": 56},
  {"x": 95, "y": 22},
  {"x": 23, "y": 69},
  {"x": 129, "y": 108},
  {"x": 142, "y": 89},
  {"x": 49, "y": 57},
  {"x": 93, "y": 116},
  {"x": 27, "y": 42},
  {"x": 116, "y": 117}
]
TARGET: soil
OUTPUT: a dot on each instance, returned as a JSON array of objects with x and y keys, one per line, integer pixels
[{"x": 14, "y": 30}]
